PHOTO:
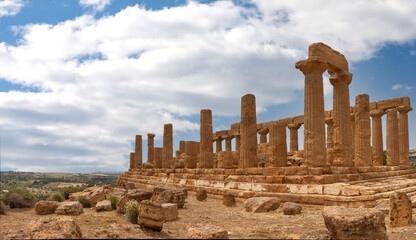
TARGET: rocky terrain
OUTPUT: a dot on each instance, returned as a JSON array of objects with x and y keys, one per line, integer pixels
[{"x": 265, "y": 219}]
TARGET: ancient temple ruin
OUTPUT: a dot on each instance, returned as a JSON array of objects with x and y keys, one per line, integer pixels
[{"x": 342, "y": 159}]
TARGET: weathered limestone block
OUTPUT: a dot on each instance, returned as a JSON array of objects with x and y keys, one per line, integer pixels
[
  {"x": 135, "y": 194},
  {"x": 63, "y": 227},
  {"x": 278, "y": 144},
  {"x": 392, "y": 138},
  {"x": 400, "y": 209},
  {"x": 314, "y": 112},
  {"x": 138, "y": 161},
  {"x": 377, "y": 136},
  {"x": 158, "y": 157},
  {"x": 151, "y": 215},
  {"x": 228, "y": 200},
  {"x": 167, "y": 153},
  {"x": 103, "y": 206},
  {"x": 150, "y": 148},
  {"x": 384, "y": 208},
  {"x": 170, "y": 211},
  {"x": 354, "y": 223},
  {"x": 46, "y": 207},
  {"x": 362, "y": 131},
  {"x": 96, "y": 196},
  {"x": 205, "y": 231},
  {"x": 248, "y": 132},
  {"x": 404, "y": 135},
  {"x": 118, "y": 192},
  {"x": 290, "y": 208},
  {"x": 340, "y": 79},
  {"x": 128, "y": 186},
  {"x": 225, "y": 160},
  {"x": 172, "y": 196},
  {"x": 191, "y": 151},
  {"x": 69, "y": 208},
  {"x": 178, "y": 163},
  {"x": 261, "y": 204},
  {"x": 206, "y": 135},
  {"x": 201, "y": 195}
]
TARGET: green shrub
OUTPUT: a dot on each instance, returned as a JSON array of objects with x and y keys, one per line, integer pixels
[
  {"x": 132, "y": 211},
  {"x": 56, "y": 197},
  {"x": 3, "y": 208},
  {"x": 384, "y": 158},
  {"x": 84, "y": 201},
  {"x": 113, "y": 200},
  {"x": 71, "y": 189},
  {"x": 19, "y": 198}
]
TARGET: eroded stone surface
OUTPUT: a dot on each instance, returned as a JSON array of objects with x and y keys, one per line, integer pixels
[
  {"x": 151, "y": 215},
  {"x": 135, "y": 194},
  {"x": 201, "y": 195},
  {"x": 103, "y": 206},
  {"x": 228, "y": 200},
  {"x": 290, "y": 208},
  {"x": 206, "y": 231},
  {"x": 261, "y": 204},
  {"x": 400, "y": 209},
  {"x": 54, "y": 228},
  {"x": 46, "y": 207},
  {"x": 69, "y": 208},
  {"x": 170, "y": 211}
]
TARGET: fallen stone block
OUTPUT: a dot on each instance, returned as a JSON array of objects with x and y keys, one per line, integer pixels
[
  {"x": 290, "y": 208},
  {"x": 103, "y": 206},
  {"x": 400, "y": 209},
  {"x": 96, "y": 196},
  {"x": 54, "y": 228},
  {"x": 201, "y": 195},
  {"x": 151, "y": 215},
  {"x": 69, "y": 208},
  {"x": 205, "y": 231},
  {"x": 134, "y": 194},
  {"x": 354, "y": 223},
  {"x": 170, "y": 211},
  {"x": 176, "y": 196},
  {"x": 261, "y": 204},
  {"x": 46, "y": 207},
  {"x": 228, "y": 200}
]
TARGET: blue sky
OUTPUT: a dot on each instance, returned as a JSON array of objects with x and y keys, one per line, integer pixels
[{"x": 80, "y": 78}]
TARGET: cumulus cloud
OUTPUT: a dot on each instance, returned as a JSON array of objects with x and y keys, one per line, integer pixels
[
  {"x": 404, "y": 87},
  {"x": 97, "y": 5},
  {"x": 104, "y": 80},
  {"x": 10, "y": 7}
]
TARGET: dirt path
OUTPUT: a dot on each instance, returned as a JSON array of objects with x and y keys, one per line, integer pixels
[{"x": 240, "y": 224}]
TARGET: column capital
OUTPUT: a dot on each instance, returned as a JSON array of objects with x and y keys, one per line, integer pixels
[
  {"x": 151, "y": 135},
  {"x": 293, "y": 126},
  {"x": 404, "y": 109},
  {"x": 377, "y": 113},
  {"x": 312, "y": 64},
  {"x": 339, "y": 77},
  {"x": 219, "y": 138},
  {"x": 263, "y": 131},
  {"x": 329, "y": 121}
]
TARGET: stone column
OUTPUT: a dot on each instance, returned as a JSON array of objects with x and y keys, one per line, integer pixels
[
  {"x": 293, "y": 128},
  {"x": 237, "y": 143},
  {"x": 314, "y": 112},
  {"x": 191, "y": 154},
  {"x": 218, "y": 144},
  {"x": 263, "y": 135},
  {"x": 158, "y": 157},
  {"x": 131, "y": 160},
  {"x": 138, "y": 152},
  {"x": 167, "y": 146},
  {"x": 377, "y": 136},
  {"x": 228, "y": 144},
  {"x": 150, "y": 148},
  {"x": 206, "y": 148},
  {"x": 393, "y": 154},
  {"x": 278, "y": 144},
  {"x": 404, "y": 135},
  {"x": 182, "y": 146},
  {"x": 330, "y": 133},
  {"x": 340, "y": 80},
  {"x": 353, "y": 135},
  {"x": 362, "y": 131},
  {"x": 248, "y": 132}
]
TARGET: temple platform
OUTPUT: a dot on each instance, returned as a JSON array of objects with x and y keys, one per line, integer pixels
[{"x": 346, "y": 186}]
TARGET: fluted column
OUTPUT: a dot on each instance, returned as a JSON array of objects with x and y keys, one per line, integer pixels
[
  {"x": 191, "y": 157},
  {"x": 352, "y": 116},
  {"x": 248, "y": 132},
  {"x": 404, "y": 135},
  {"x": 340, "y": 80},
  {"x": 330, "y": 133},
  {"x": 362, "y": 131},
  {"x": 263, "y": 135},
  {"x": 228, "y": 144},
  {"x": 150, "y": 148},
  {"x": 182, "y": 146},
  {"x": 278, "y": 144},
  {"x": 167, "y": 146},
  {"x": 377, "y": 136},
  {"x": 138, "y": 152},
  {"x": 206, "y": 148},
  {"x": 293, "y": 129},
  {"x": 131, "y": 160},
  {"x": 314, "y": 112},
  {"x": 158, "y": 157},
  {"x": 218, "y": 144},
  {"x": 393, "y": 154},
  {"x": 237, "y": 143}
]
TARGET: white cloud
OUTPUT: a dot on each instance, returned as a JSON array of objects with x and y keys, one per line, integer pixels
[
  {"x": 104, "y": 80},
  {"x": 412, "y": 52},
  {"x": 97, "y": 5},
  {"x": 10, "y": 7},
  {"x": 404, "y": 87}
]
